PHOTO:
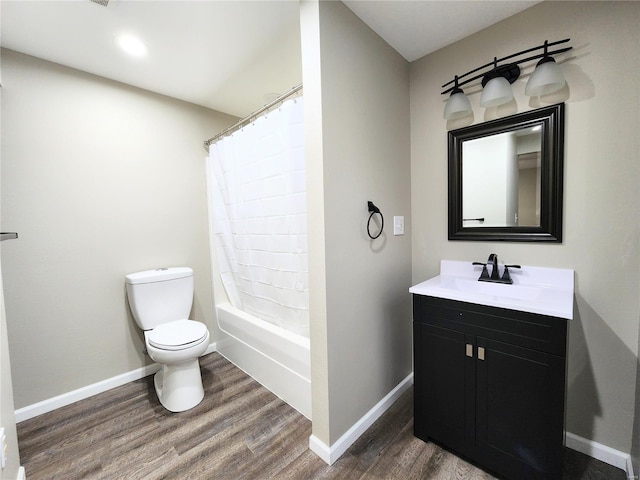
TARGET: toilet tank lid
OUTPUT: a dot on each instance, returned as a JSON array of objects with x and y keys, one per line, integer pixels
[{"x": 159, "y": 275}]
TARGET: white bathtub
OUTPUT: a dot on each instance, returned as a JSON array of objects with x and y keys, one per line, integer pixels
[{"x": 275, "y": 357}]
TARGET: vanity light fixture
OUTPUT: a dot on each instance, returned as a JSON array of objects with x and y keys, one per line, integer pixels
[
  {"x": 497, "y": 85},
  {"x": 546, "y": 78},
  {"x": 458, "y": 105},
  {"x": 497, "y": 79}
]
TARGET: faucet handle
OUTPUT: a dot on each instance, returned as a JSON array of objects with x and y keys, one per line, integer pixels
[
  {"x": 506, "y": 276},
  {"x": 485, "y": 272}
]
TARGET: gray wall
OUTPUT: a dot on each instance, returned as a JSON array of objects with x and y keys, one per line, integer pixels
[
  {"x": 357, "y": 124},
  {"x": 602, "y": 177},
  {"x": 100, "y": 179},
  {"x": 7, "y": 416}
]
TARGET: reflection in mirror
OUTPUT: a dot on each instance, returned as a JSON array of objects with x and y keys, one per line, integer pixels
[
  {"x": 501, "y": 178},
  {"x": 505, "y": 178}
]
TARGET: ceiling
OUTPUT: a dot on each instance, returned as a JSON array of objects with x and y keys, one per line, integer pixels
[{"x": 231, "y": 56}]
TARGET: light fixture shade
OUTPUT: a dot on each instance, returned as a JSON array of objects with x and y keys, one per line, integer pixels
[
  {"x": 496, "y": 92},
  {"x": 546, "y": 78},
  {"x": 457, "y": 106}
]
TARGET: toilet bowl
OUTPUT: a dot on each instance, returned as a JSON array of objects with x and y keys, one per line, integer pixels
[
  {"x": 160, "y": 301},
  {"x": 178, "y": 383}
]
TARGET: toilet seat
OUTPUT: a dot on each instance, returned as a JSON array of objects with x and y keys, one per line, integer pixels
[{"x": 177, "y": 335}]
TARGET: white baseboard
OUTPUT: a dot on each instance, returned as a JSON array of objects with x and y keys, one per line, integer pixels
[
  {"x": 68, "y": 398},
  {"x": 335, "y": 451},
  {"x": 630, "y": 474},
  {"x": 591, "y": 448},
  {"x": 601, "y": 452},
  {"x": 21, "y": 474}
]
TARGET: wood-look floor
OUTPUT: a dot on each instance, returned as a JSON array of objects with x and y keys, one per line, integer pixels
[{"x": 239, "y": 431}]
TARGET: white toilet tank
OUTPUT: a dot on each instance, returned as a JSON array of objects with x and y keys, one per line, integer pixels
[{"x": 160, "y": 296}]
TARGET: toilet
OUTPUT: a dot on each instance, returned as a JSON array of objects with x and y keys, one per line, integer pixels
[{"x": 160, "y": 301}]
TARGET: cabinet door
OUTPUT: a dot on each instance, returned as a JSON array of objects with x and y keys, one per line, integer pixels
[
  {"x": 520, "y": 407},
  {"x": 444, "y": 385}
]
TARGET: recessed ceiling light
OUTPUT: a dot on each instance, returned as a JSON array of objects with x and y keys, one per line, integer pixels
[{"x": 131, "y": 45}]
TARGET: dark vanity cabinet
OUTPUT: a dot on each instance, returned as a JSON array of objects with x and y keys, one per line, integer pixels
[{"x": 490, "y": 385}]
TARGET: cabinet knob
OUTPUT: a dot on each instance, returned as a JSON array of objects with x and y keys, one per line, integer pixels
[
  {"x": 469, "y": 350},
  {"x": 480, "y": 353}
]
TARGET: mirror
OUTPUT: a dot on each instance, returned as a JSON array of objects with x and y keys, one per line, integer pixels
[{"x": 505, "y": 178}]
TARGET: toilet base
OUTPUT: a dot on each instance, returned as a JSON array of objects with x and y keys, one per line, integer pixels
[{"x": 179, "y": 387}]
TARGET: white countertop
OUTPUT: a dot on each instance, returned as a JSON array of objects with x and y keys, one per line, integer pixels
[{"x": 547, "y": 291}]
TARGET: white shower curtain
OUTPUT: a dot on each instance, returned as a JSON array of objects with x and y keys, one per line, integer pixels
[{"x": 259, "y": 225}]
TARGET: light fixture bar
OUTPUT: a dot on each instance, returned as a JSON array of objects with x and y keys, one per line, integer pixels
[
  {"x": 493, "y": 64},
  {"x": 515, "y": 55}
]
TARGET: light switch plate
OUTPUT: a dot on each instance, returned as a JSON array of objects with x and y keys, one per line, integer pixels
[{"x": 398, "y": 225}]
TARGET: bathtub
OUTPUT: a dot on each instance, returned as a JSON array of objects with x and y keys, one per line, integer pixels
[{"x": 273, "y": 356}]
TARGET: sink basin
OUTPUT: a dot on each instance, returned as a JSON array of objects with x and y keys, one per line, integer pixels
[
  {"x": 517, "y": 292},
  {"x": 547, "y": 291}
]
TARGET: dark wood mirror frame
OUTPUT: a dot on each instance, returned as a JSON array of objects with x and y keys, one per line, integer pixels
[{"x": 552, "y": 159}]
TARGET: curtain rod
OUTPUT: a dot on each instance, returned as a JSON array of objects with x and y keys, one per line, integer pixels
[{"x": 248, "y": 119}]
